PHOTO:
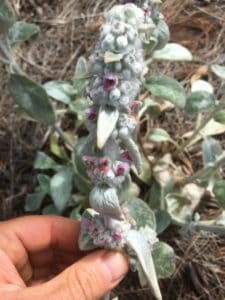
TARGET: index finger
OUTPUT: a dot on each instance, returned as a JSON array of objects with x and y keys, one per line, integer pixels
[{"x": 39, "y": 233}]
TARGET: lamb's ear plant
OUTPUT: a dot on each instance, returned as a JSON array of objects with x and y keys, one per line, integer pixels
[
  {"x": 116, "y": 220},
  {"x": 134, "y": 36}
]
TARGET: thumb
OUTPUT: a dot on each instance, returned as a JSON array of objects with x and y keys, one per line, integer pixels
[{"x": 90, "y": 278}]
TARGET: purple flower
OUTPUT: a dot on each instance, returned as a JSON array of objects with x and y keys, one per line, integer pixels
[
  {"x": 126, "y": 156},
  {"x": 134, "y": 106},
  {"x": 110, "y": 82},
  {"x": 147, "y": 10},
  {"x": 86, "y": 223},
  {"x": 89, "y": 162},
  {"x": 104, "y": 165},
  {"x": 121, "y": 169},
  {"x": 118, "y": 235},
  {"x": 91, "y": 113}
]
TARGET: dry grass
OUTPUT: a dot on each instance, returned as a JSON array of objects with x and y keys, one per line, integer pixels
[{"x": 69, "y": 29}]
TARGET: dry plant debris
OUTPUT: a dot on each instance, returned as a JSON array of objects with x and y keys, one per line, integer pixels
[{"x": 68, "y": 30}]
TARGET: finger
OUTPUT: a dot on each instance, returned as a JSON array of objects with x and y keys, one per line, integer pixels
[
  {"x": 11, "y": 244},
  {"x": 88, "y": 279},
  {"x": 46, "y": 271},
  {"x": 8, "y": 272},
  {"x": 43, "y": 258},
  {"x": 38, "y": 233},
  {"x": 50, "y": 256}
]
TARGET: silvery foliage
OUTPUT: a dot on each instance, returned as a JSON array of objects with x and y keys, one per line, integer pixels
[{"x": 117, "y": 66}]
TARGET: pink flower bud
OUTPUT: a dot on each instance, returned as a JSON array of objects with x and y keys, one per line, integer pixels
[
  {"x": 147, "y": 10},
  {"x": 89, "y": 161},
  {"x": 121, "y": 169},
  {"x": 104, "y": 165},
  {"x": 126, "y": 156},
  {"x": 118, "y": 235},
  {"x": 86, "y": 223},
  {"x": 91, "y": 113},
  {"x": 110, "y": 82},
  {"x": 134, "y": 107}
]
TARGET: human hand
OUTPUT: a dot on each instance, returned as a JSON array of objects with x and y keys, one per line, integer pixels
[{"x": 40, "y": 259}]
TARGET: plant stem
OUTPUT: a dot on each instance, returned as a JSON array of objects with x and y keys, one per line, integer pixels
[
  {"x": 202, "y": 225},
  {"x": 62, "y": 135},
  {"x": 205, "y": 171},
  {"x": 4, "y": 60},
  {"x": 201, "y": 126},
  {"x": 210, "y": 228}
]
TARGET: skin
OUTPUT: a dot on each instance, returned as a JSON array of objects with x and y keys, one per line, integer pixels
[{"x": 40, "y": 259}]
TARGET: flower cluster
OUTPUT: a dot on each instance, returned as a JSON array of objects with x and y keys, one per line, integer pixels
[
  {"x": 103, "y": 170},
  {"x": 117, "y": 66},
  {"x": 109, "y": 238},
  {"x": 117, "y": 83}
]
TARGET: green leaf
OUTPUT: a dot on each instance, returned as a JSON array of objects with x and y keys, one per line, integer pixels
[
  {"x": 56, "y": 149},
  {"x": 163, "y": 220},
  {"x": 138, "y": 242},
  {"x": 150, "y": 107},
  {"x": 202, "y": 86},
  {"x": 211, "y": 150},
  {"x": 220, "y": 117},
  {"x": 155, "y": 194},
  {"x": 81, "y": 72},
  {"x": 166, "y": 88},
  {"x": 32, "y": 98},
  {"x": 61, "y": 189},
  {"x": 219, "y": 191},
  {"x": 164, "y": 260},
  {"x": 178, "y": 207},
  {"x": 173, "y": 52},
  {"x": 133, "y": 149},
  {"x": 159, "y": 135},
  {"x": 199, "y": 101},
  {"x": 107, "y": 119},
  {"x": 141, "y": 213},
  {"x": 146, "y": 171},
  {"x": 34, "y": 201},
  {"x": 161, "y": 34},
  {"x": 50, "y": 210},
  {"x": 21, "y": 32},
  {"x": 44, "y": 162},
  {"x": 81, "y": 183},
  {"x": 78, "y": 107},
  {"x": 7, "y": 17},
  {"x": 44, "y": 182},
  {"x": 75, "y": 213},
  {"x": 60, "y": 90},
  {"x": 219, "y": 71},
  {"x": 77, "y": 157}
]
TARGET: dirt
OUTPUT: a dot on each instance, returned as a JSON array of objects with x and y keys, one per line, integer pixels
[{"x": 69, "y": 28}]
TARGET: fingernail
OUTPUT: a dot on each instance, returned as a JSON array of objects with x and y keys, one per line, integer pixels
[{"x": 117, "y": 265}]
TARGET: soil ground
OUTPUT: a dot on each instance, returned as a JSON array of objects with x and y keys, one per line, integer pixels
[{"x": 69, "y": 28}]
